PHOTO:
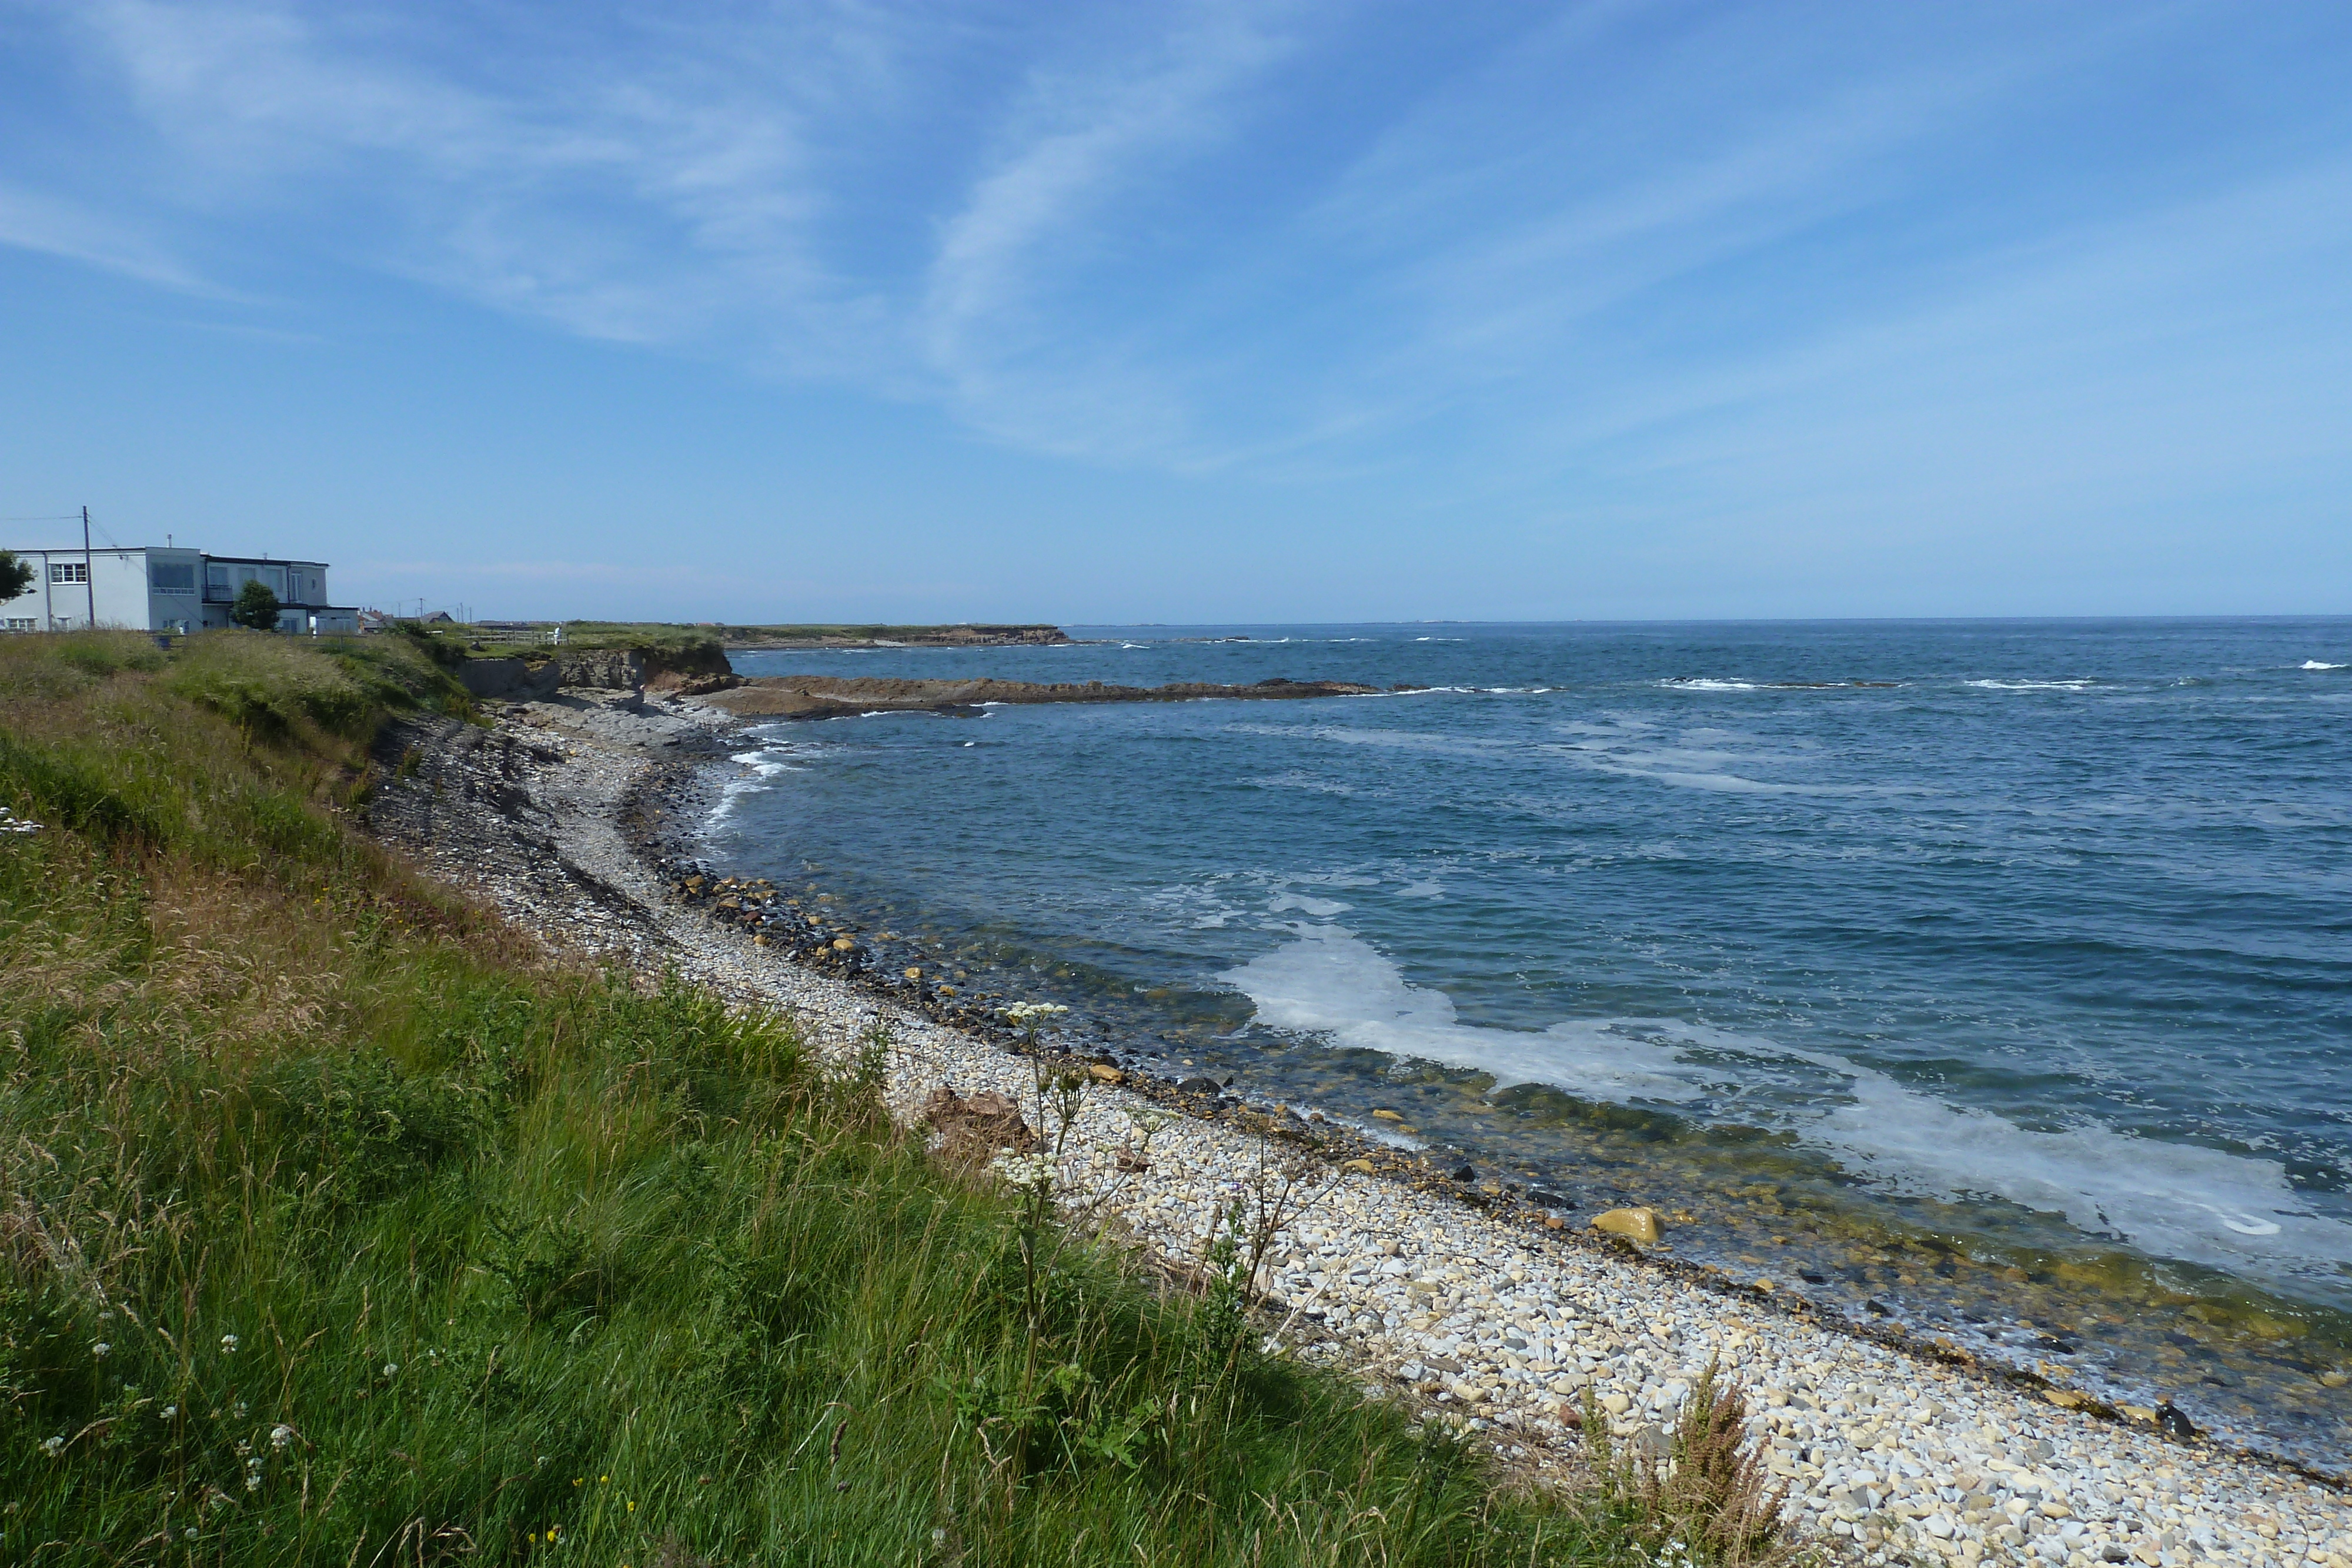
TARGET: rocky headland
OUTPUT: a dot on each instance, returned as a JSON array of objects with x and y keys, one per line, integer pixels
[
  {"x": 823, "y": 697},
  {"x": 768, "y": 638},
  {"x": 576, "y": 812}
]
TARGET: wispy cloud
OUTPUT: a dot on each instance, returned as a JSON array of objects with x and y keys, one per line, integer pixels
[
  {"x": 34, "y": 221},
  {"x": 1223, "y": 237},
  {"x": 994, "y": 318},
  {"x": 625, "y": 181}
]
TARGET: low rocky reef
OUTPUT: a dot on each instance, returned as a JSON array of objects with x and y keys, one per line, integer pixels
[
  {"x": 764, "y": 638},
  {"x": 823, "y": 697}
]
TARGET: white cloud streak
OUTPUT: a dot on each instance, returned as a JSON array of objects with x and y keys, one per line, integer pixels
[{"x": 1589, "y": 246}]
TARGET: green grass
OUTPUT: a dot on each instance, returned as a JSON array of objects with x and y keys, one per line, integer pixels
[
  {"x": 678, "y": 650},
  {"x": 404, "y": 1245}
]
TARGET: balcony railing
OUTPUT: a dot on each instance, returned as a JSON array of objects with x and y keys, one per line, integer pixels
[{"x": 217, "y": 595}]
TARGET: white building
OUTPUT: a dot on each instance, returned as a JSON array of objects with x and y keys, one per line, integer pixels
[{"x": 152, "y": 590}]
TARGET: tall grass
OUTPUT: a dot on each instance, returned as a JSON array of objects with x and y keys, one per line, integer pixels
[{"x": 335, "y": 1228}]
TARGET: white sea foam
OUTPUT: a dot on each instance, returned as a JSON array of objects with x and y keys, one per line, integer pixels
[
  {"x": 2317, "y": 665},
  {"x": 2074, "y": 685},
  {"x": 1330, "y": 981},
  {"x": 1696, "y": 684},
  {"x": 764, "y": 764},
  {"x": 1295, "y": 779},
  {"x": 1721, "y": 760},
  {"x": 1320, "y": 908},
  {"x": 2169, "y": 1199}
]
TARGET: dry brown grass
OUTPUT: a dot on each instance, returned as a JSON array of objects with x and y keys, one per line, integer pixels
[{"x": 1702, "y": 1485}]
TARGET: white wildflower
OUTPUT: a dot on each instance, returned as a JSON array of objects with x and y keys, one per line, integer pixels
[
  {"x": 53, "y": 1446},
  {"x": 280, "y": 1434},
  {"x": 391, "y": 1369},
  {"x": 1025, "y": 1171},
  {"x": 102, "y": 1350},
  {"x": 169, "y": 1411},
  {"x": 1033, "y": 1012},
  {"x": 229, "y": 1344}
]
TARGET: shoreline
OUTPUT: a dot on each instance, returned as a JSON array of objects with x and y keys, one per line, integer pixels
[{"x": 1463, "y": 1308}]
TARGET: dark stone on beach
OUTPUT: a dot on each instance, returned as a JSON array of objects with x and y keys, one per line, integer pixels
[
  {"x": 1201, "y": 1086},
  {"x": 1877, "y": 1309},
  {"x": 2052, "y": 1341},
  {"x": 1466, "y": 1172},
  {"x": 976, "y": 1128},
  {"x": 1810, "y": 1278}
]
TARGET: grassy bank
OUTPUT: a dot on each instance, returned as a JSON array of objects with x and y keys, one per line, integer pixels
[{"x": 336, "y": 1226}]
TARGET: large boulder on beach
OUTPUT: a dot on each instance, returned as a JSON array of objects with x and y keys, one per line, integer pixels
[{"x": 1642, "y": 1224}]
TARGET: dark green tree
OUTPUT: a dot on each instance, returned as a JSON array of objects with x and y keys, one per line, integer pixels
[
  {"x": 15, "y": 576},
  {"x": 255, "y": 607}
]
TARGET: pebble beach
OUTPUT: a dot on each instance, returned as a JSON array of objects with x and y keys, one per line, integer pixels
[{"x": 1474, "y": 1313}]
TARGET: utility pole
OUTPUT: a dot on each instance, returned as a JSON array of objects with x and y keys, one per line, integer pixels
[{"x": 90, "y": 586}]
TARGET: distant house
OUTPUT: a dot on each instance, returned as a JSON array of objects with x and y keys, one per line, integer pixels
[{"x": 152, "y": 590}]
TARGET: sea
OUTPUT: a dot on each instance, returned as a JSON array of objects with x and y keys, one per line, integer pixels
[{"x": 1985, "y": 981}]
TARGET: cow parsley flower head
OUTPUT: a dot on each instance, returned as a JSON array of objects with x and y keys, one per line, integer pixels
[{"x": 1027, "y": 1172}]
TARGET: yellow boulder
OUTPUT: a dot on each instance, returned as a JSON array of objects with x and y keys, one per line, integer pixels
[{"x": 1641, "y": 1224}]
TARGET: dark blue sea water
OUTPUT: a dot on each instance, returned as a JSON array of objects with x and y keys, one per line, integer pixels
[{"x": 1987, "y": 972}]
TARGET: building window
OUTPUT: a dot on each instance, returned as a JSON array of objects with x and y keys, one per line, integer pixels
[
  {"x": 22, "y": 623},
  {"x": 171, "y": 576},
  {"x": 69, "y": 571}
]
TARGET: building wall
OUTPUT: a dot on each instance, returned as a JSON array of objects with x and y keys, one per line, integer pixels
[
  {"x": 62, "y": 600},
  {"x": 151, "y": 589},
  {"x": 175, "y": 590}
]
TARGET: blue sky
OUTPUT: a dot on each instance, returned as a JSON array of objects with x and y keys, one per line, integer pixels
[{"x": 1311, "y": 311}]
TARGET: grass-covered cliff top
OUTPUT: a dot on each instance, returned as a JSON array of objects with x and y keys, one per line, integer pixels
[{"x": 338, "y": 1226}]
